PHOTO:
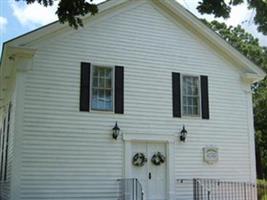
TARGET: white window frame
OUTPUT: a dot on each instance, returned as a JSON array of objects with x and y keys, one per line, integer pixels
[
  {"x": 199, "y": 91},
  {"x": 112, "y": 86}
]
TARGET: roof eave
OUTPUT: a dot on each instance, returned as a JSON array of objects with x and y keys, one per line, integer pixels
[
  {"x": 56, "y": 25},
  {"x": 171, "y": 5}
]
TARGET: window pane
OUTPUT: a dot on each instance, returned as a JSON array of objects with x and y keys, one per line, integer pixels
[
  {"x": 108, "y": 95},
  {"x": 186, "y": 84},
  {"x": 190, "y": 110},
  {"x": 101, "y": 82},
  {"x": 94, "y": 103},
  {"x": 95, "y": 74},
  {"x": 101, "y": 94},
  {"x": 94, "y": 93},
  {"x": 185, "y": 101},
  {"x": 184, "y": 87},
  {"x": 101, "y": 100},
  {"x": 109, "y": 105},
  {"x": 195, "y": 90},
  {"x": 195, "y": 110},
  {"x": 185, "y": 110},
  {"x": 195, "y": 81},
  {"x": 190, "y": 101},
  {"x": 108, "y": 83},
  {"x": 101, "y": 72},
  {"x": 109, "y": 73},
  {"x": 195, "y": 101},
  {"x": 94, "y": 98},
  {"x": 95, "y": 82},
  {"x": 190, "y": 87}
]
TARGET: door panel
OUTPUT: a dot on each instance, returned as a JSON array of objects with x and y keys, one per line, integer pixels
[
  {"x": 152, "y": 177},
  {"x": 157, "y": 183},
  {"x": 140, "y": 172}
]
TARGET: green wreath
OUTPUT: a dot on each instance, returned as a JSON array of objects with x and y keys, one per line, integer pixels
[
  {"x": 139, "y": 159},
  {"x": 158, "y": 159}
]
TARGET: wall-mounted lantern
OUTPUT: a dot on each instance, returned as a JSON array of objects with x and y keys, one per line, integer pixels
[
  {"x": 183, "y": 134},
  {"x": 115, "y": 131}
]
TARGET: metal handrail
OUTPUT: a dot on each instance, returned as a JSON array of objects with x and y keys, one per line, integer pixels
[{"x": 130, "y": 189}]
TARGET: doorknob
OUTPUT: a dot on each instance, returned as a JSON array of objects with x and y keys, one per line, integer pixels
[{"x": 149, "y": 175}]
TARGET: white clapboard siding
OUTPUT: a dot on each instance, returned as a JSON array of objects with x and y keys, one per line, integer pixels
[
  {"x": 67, "y": 154},
  {"x": 5, "y": 185}
]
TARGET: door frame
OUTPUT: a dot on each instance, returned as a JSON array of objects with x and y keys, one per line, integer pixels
[{"x": 169, "y": 141}]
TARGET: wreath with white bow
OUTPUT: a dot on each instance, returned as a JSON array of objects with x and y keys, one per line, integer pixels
[
  {"x": 158, "y": 158},
  {"x": 139, "y": 159}
]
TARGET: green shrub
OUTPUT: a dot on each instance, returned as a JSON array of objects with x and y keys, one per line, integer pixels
[{"x": 262, "y": 189}]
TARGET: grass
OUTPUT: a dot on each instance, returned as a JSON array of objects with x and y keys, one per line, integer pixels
[{"x": 262, "y": 189}]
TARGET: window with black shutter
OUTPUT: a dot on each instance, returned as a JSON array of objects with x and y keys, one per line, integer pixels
[
  {"x": 102, "y": 88},
  {"x": 190, "y": 96}
]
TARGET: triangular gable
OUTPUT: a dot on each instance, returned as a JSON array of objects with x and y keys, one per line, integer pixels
[
  {"x": 19, "y": 47},
  {"x": 171, "y": 6}
]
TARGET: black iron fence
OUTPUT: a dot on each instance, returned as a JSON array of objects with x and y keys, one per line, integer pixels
[
  {"x": 208, "y": 189},
  {"x": 212, "y": 189},
  {"x": 130, "y": 189}
]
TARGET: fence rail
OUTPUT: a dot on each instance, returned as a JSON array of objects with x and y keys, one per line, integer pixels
[
  {"x": 215, "y": 189},
  {"x": 212, "y": 189}
]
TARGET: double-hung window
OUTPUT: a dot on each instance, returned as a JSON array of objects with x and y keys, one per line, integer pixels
[
  {"x": 102, "y": 88},
  {"x": 190, "y": 96}
]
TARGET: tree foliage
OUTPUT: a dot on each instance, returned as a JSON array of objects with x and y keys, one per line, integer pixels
[
  {"x": 249, "y": 46},
  {"x": 220, "y": 8},
  {"x": 71, "y": 10}
]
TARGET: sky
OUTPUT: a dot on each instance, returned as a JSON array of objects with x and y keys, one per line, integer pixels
[{"x": 17, "y": 18}]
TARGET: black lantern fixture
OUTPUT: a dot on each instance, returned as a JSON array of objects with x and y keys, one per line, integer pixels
[
  {"x": 116, "y": 131},
  {"x": 183, "y": 134}
]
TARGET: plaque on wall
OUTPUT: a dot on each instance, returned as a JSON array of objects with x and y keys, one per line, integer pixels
[{"x": 210, "y": 155}]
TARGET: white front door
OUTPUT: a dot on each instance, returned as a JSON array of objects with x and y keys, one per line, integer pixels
[{"x": 151, "y": 176}]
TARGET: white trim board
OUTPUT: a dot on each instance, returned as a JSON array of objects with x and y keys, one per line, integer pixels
[{"x": 149, "y": 137}]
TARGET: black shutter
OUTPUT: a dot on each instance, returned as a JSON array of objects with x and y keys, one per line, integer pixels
[
  {"x": 85, "y": 87},
  {"x": 3, "y": 148},
  {"x": 119, "y": 90},
  {"x": 176, "y": 95},
  {"x": 204, "y": 97},
  {"x": 7, "y": 142}
]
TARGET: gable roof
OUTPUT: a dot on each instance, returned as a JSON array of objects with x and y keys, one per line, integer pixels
[
  {"x": 171, "y": 6},
  {"x": 20, "y": 46}
]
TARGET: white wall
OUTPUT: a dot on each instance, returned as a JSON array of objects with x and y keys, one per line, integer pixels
[
  {"x": 67, "y": 154},
  {"x": 5, "y": 185}
]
